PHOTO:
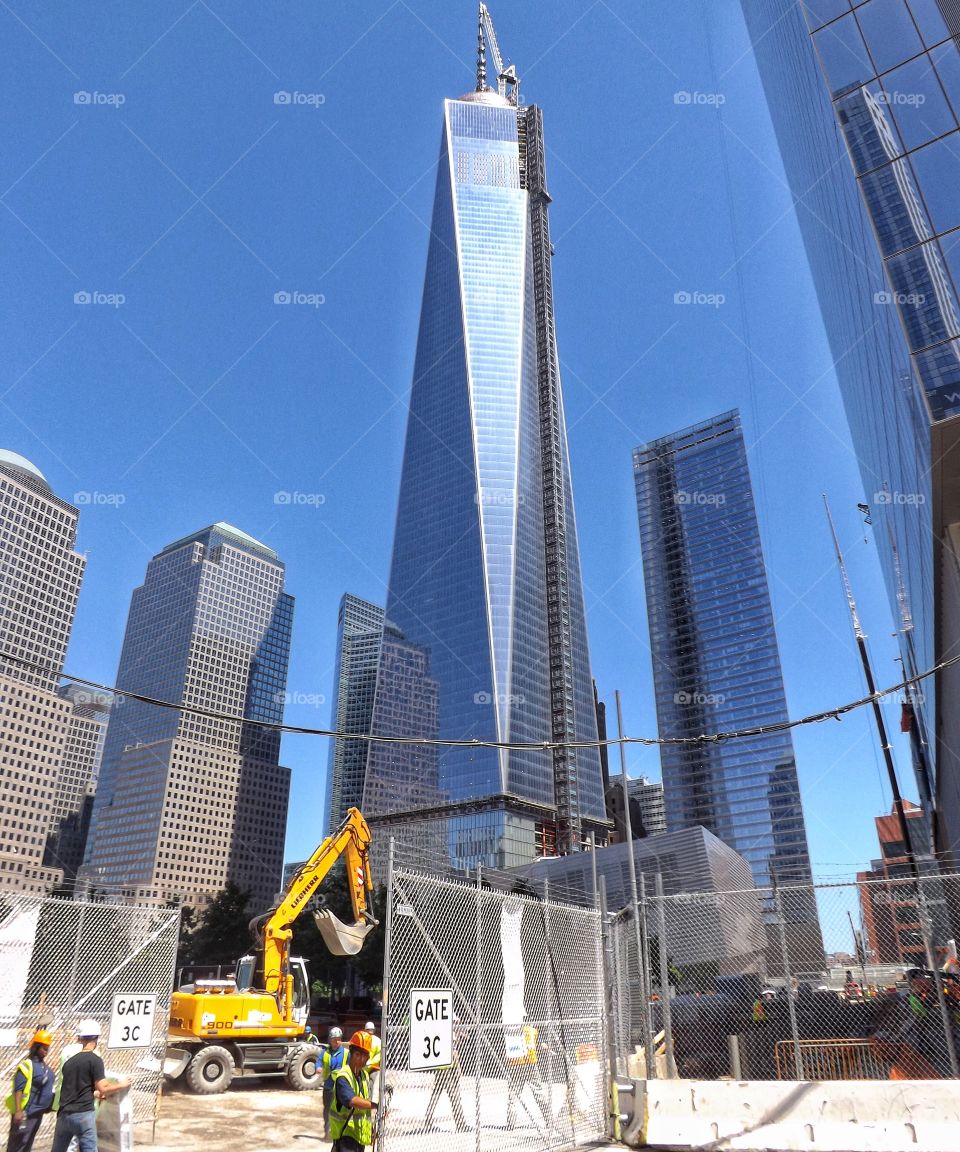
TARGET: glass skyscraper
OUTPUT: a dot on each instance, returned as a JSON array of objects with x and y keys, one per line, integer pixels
[
  {"x": 716, "y": 663},
  {"x": 187, "y": 802},
  {"x": 359, "y": 632},
  {"x": 485, "y": 576},
  {"x": 865, "y": 100}
]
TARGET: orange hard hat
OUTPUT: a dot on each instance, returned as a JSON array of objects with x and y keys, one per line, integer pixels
[
  {"x": 42, "y": 1037},
  {"x": 362, "y": 1040}
]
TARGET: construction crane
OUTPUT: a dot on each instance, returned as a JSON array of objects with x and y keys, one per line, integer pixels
[{"x": 506, "y": 77}]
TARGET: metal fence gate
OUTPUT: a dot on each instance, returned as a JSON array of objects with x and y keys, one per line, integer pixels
[
  {"x": 525, "y": 978},
  {"x": 63, "y": 960}
]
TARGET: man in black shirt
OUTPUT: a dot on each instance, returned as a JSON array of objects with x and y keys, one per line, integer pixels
[{"x": 83, "y": 1079}]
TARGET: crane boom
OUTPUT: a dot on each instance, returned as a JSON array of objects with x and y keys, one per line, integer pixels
[
  {"x": 351, "y": 840},
  {"x": 505, "y": 76}
]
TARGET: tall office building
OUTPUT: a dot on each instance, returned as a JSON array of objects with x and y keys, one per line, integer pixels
[
  {"x": 716, "y": 663},
  {"x": 40, "y": 574},
  {"x": 77, "y": 780},
  {"x": 485, "y": 577},
  {"x": 359, "y": 632},
  {"x": 649, "y": 808},
  {"x": 865, "y": 100},
  {"x": 188, "y": 802}
]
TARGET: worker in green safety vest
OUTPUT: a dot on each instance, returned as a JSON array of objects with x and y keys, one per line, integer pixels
[{"x": 351, "y": 1114}]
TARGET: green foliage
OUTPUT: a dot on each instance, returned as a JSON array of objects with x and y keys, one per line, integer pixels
[
  {"x": 328, "y": 974},
  {"x": 221, "y": 934}
]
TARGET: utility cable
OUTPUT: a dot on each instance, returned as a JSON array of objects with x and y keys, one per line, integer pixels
[{"x": 503, "y": 745}]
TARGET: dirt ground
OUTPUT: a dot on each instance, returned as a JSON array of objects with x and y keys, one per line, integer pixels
[{"x": 254, "y": 1115}]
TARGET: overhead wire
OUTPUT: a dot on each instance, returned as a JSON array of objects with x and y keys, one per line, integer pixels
[{"x": 836, "y": 713}]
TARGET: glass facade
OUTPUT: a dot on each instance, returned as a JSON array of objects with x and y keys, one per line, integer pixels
[
  {"x": 716, "y": 664},
  {"x": 475, "y": 562},
  {"x": 865, "y": 101},
  {"x": 359, "y": 632},
  {"x": 187, "y": 802}
]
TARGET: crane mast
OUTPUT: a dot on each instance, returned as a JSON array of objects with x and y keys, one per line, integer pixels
[{"x": 506, "y": 77}]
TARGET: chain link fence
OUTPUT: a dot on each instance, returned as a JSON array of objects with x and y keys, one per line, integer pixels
[
  {"x": 523, "y": 975},
  {"x": 849, "y": 981},
  {"x": 65, "y": 960}
]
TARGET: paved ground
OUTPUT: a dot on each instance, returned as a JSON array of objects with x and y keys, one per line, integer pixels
[
  {"x": 255, "y": 1115},
  {"x": 262, "y": 1115}
]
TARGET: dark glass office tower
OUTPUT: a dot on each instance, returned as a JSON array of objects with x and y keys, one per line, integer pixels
[
  {"x": 485, "y": 578},
  {"x": 187, "y": 802},
  {"x": 359, "y": 632},
  {"x": 865, "y": 100},
  {"x": 716, "y": 664}
]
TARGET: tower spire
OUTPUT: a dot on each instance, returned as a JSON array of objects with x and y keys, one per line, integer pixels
[{"x": 481, "y": 54}]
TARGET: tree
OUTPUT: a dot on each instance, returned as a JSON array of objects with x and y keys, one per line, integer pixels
[{"x": 222, "y": 933}]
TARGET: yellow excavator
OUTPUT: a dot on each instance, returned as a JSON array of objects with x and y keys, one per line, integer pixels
[{"x": 255, "y": 1021}]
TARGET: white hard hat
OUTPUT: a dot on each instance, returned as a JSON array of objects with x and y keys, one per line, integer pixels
[
  {"x": 335, "y": 1034},
  {"x": 369, "y": 1026},
  {"x": 88, "y": 1029}
]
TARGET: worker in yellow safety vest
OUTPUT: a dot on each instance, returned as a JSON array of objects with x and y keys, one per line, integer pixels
[
  {"x": 351, "y": 1113},
  {"x": 523, "y": 1069},
  {"x": 32, "y": 1094},
  {"x": 373, "y": 1067}
]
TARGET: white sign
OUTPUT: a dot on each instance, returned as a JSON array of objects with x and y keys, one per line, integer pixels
[
  {"x": 431, "y": 1028},
  {"x": 131, "y": 1021}
]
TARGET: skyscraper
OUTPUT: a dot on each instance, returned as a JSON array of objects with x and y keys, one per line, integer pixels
[
  {"x": 716, "y": 663},
  {"x": 865, "y": 100},
  {"x": 77, "y": 779},
  {"x": 187, "y": 802},
  {"x": 40, "y": 574},
  {"x": 485, "y": 577},
  {"x": 359, "y": 632}
]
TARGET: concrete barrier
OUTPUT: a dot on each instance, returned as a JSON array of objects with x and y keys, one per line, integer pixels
[{"x": 790, "y": 1116}]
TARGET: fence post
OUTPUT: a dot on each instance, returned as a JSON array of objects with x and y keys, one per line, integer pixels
[
  {"x": 926, "y": 928},
  {"x": 665, "y": 979},
  {"x": 611, "y": 1069},
  {"x": 385, "y": 996},
  {"x": 551, "y": 1038},
  {"x": 646, "y": 983},
  {"x": 791, "y": 1006},
  {"x": 80, "y": 941},
  {"x": 478, "y": 1007}
]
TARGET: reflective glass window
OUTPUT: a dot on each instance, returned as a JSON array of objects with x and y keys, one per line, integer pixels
[
  {"x": 924, "y": 292},
  {"x": 930, "y": 21},
  {"x": 843, "y": 53},
  {"x": 889, "y": 31},
  {"x": 822, "y": 11},
  {"x": 890, "y": 194},
  {"x": 946, "y": 61},
  {"x": 938, "y": 171},
  {"x": 914, "y": 96}
]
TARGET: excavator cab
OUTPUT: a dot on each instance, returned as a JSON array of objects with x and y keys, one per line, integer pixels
[{"x": 341, "y": 939}]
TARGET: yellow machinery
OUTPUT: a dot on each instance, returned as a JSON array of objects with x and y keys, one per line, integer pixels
[{"x": 255, "y": 1020}]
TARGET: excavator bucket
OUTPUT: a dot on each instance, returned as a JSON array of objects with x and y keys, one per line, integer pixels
[{"x": 341, "y": 939}]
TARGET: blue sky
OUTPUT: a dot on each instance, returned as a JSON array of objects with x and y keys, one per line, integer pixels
[{"x": 149, "y": 157}]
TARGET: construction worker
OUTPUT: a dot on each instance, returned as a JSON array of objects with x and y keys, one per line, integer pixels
[
  {"x": 351, "y": 1119},
  {"x": 333, "y": 1057},
  {"x": 32, "y": 1094},
  {"x": 523, "y": 1069},
  {"x": 83, "y": 1080},
  {"x": 448, "y": 1080},
  {"x": 374, "y": 1066}
]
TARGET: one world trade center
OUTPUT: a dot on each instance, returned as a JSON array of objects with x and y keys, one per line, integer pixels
[{"x": 485, "y": 639}]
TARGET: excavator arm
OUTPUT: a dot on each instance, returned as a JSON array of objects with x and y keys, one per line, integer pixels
[{"x": 351, "y": 841}]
